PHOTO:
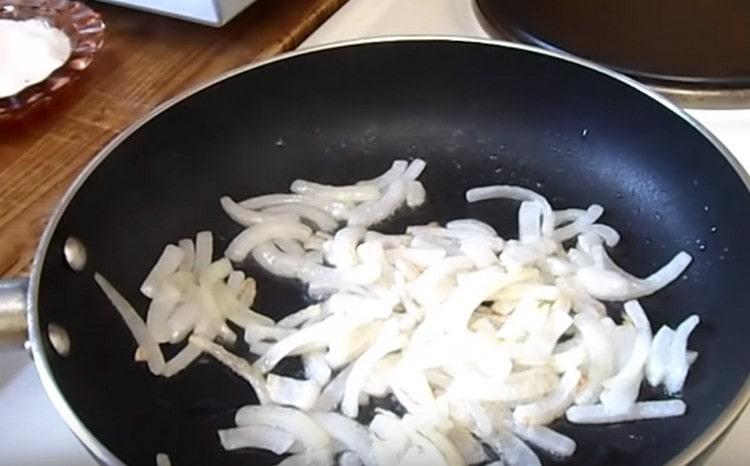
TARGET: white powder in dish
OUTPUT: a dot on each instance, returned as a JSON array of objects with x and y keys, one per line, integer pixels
[{"x": 30, "y": 51}]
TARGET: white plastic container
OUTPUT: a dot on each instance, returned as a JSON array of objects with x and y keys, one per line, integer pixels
[{"x": 211, "y": 12}]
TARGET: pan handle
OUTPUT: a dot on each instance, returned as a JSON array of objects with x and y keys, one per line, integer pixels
[{"x": 13, "y": 328}]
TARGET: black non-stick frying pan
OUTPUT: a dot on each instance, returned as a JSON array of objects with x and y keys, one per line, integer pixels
[{"x": 479, "y": 112}]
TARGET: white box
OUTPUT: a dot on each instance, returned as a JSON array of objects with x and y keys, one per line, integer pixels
[{"x": 210, "y": 12}]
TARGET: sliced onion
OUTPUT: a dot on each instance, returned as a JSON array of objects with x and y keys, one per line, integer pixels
[
  {"x": 315, "y": 215},
  {"x": 599, "y": 351},
  {"x": 546, "y": 439},
  {"x": 181, "y": 360},
  {"x": 316, "y": 368},
  {"x": 415, "y": 169},
  {"x": 188, "y": 259},
  {"x": 255, "y": 235},
  {"x": 386, "y": 342},
  {"x": 322, "y": 457},
  {"x": 264, "y": 437},
  {"x": 516, "y": 193},
  {"x": 311, "y": 312},
  {"x": 279, "y": 263},
  {"x": 395, "y": 172},
  {"x": 287, "y": 391},
  {"x": 238, "y": 365},
  {"x": 579, "y": 225},
  {"x": 349, "y": 458},
  {"x": 529, "y": 218},
  {"x": 372, "y": 212},
  {"x": 352, "y": 434},
  {"x": 468, "y": 446},
  {"x": 353, "y": 193},
  {"x": 300, "y": 425},
  {"x": 248, "y": 217},
  {"x": 447, "y": 449},
  {"x": 162, "y": 459},
  {"x": 511, "y": 449},
  {"x": 621, "y": 390},
  {"x": 678, "y": 363},
  {"x": 159, "y": 311},
  {"x": 598, "y": 414},
  {"x": 657, "y": 364},
  {"x": 315, "y": 336},
  {"x": 169, "y": 261},
  {"x": 551, "y": 406},
  {"x": 343, "y": 248},
  {"x": 415, "y": 194},
  {"x": 135, "y": 324}
]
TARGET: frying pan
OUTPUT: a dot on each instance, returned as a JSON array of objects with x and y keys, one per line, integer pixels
[{"x": 479, "y": 112}]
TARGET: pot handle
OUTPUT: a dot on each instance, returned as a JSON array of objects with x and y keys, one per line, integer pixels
[{"x": 13, "y": 328}]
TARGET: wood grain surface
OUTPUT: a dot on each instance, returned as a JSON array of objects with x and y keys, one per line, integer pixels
[{"x": 146, "y": 60}]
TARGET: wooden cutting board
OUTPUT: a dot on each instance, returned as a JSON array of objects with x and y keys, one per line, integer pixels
[{"x": 146, "y": 60}]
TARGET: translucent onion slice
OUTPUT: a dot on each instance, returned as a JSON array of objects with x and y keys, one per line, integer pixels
[
  {"x": 255, "y": 235},
  {"x": 159, "y": 311},
  {"x": 316, "y": 368},
  {"x": 322, "y": 457},
  {"x": 317, "y": 216},
  {"x": 316, "y": 336},
  {"x": 351, "y": 433},
  {"x": 579, "y": 225},
  {"x": 516, "y": 193},
  {"x": 546, "y": 439},
  {"x": 657, "y": 364},
  {"x": 387, "y": 341},
  {"x": 469, "y": 447},
  {"x": 598, "y": 414},
  {"x": 621, "y": 390},
  {"x": 599, "y": 350},
  {"x": 511, "y": 449},
  {"x": 296, "y": 319},
  {"x": 238, "y": 365},
  {"x": 342, "y": 250},
  {"x": 415, "y": 194},
  {"x": 339, "y": 210},
  {"x": 349, "y": 458},
  {"x": 372, "y": 212},
  {"x": 352, "y": 193},
  {"x": 167, "y": 264},
  {"x": 162, "y": 459},
  {"x": 264, "y": 437},
  {"x": 301, "y": 425},
  {"x": 529, "y": 218},
  {"x": 204, "y": 251},
  {"x": 188, "y": 250},
  {"x": 135, "y": 324},
  {"x": 395, "y": 172},
  {"x": 553, "y": 405},
  {"x": 287, "y": 391},
  {"x": 181, "y": 360},
  {"x": 678, "y": 362},
  {"x": 415, "y": 169},
  {"x": 279, "y": 263},
  {"x": 248, "y": 217}
]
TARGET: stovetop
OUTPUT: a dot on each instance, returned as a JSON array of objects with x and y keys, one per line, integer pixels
[{"x": 34, "y": 434}]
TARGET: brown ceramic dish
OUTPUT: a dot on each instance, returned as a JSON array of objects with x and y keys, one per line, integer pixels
[{"x": 85, "y": 29}]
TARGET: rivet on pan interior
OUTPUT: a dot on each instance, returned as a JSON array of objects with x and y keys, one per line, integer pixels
[
  {"x": 59, "y": 339},
  {"x": 75, "y": 253}
]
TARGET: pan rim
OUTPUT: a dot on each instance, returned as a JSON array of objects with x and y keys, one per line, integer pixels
[{"x": 103, "y": 454}]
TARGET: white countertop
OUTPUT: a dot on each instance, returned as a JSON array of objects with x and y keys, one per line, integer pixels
[{"x": 33, "y": 433}]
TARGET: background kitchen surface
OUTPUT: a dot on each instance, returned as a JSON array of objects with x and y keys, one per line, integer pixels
[{"x": 33, "y": 433}]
